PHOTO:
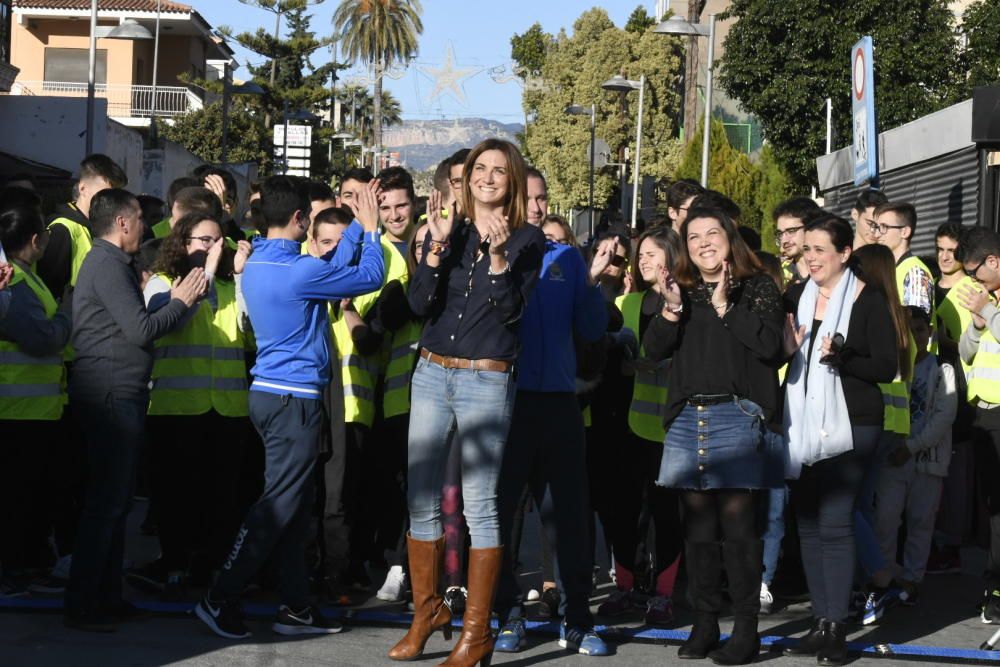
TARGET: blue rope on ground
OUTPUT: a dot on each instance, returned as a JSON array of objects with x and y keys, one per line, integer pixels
[{"x": 548, "y": 628}]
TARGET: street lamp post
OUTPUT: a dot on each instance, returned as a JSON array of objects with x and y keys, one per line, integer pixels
[
  {"x": 577, "y": 110},
  {"x": 620, "y": 84},
  {"x": 676, "y": 25}
]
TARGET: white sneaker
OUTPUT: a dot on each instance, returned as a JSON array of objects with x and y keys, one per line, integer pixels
[
  {"x": 395, "y": 585},
  {"x": 766, "y": 599},
  {"x": 533, "y": 595},
  {"x": 61, "y": 569}
]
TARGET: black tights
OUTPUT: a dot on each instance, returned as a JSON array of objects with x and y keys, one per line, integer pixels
[{"x": 728, "y": 515}]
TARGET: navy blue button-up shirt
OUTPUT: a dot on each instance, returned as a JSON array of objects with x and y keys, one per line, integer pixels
[{"x": 471, "y": 314}]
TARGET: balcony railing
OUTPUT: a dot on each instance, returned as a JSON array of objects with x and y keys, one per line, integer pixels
[{"x": 124, "y": 101}]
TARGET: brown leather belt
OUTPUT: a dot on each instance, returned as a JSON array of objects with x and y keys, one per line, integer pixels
[{"x": 469, "y": 364}]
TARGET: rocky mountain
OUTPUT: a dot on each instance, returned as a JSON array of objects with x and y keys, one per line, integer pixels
[{"x": 422, "y": 144}]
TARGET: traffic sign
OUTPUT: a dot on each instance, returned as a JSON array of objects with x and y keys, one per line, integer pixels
[
  {"x": 293, "y": 151},
  {"x": 298, "y": 163},
  {"x": 298, "y": 172},
  {"x": 863, "y": 112},
  {"x": 603, "y": 152},
  {"x": 298, "y": 135}
]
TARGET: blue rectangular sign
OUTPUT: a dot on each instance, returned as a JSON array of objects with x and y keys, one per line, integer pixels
[{"x": 863, "y": 112}]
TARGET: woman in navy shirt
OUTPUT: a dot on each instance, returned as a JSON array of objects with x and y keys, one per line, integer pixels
[{"x": 471, "y": 288}]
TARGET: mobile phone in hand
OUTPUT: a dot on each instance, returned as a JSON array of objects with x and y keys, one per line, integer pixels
[{"x": 835, "y": 345}]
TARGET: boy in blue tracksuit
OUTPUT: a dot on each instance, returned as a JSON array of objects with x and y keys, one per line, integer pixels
[
  {"x": 286, "y": 295},
  {"x": 546, "y": 449}
]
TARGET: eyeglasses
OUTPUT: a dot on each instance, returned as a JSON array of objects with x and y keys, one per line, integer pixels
[
  {"x": 972, "y": 272},
  {"x": 881, "y": 228},
  {"x": 455, "y": 182},
  {"x": 204, "y": 240},
  {"x": 782, "y": 233}
]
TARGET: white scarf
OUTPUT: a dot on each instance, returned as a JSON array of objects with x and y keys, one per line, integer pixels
[{"x": 817, "y": 425}]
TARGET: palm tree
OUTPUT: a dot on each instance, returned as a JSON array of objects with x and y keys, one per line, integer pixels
[
  {"x": 379, "y": 33},
  {"x": 362, "y": 106}
]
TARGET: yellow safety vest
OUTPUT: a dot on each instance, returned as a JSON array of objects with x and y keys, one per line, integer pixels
[
  {"x": 31, "y": 388},
  {"x": 161, "y": 229},
  {"x": 953, "y": 315},
  {"x": 896, "y": 399},
  {"x": 647, "y": 412},
  {"x": 984, "y": 373},
  {"x": 904, "y": 268},
  {"x": 201, "y": 367},
  {"x": 358, "y": 371},
  {"x": 81, "y": 243},
  {"x": 401, "y": 353}
]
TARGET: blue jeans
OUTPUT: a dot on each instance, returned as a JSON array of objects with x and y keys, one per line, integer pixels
[
  {"x": 477, "y": 406},
  {"x": 774, "y": 531}
]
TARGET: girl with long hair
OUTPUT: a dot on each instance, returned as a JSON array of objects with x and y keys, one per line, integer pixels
[
  {"x": 635, "y": 470},
  {"x": 721, "y": 325},
  {"x": 198, "y": 412},
  {"x": 842, "y": 340},
  {"x": 471, "y": 287}
]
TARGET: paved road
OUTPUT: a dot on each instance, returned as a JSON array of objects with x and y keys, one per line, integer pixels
[{"x": 944, "y": 618}]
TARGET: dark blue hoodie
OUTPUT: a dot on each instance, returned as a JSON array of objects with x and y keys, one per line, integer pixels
[{"x": 561, "y": 305}]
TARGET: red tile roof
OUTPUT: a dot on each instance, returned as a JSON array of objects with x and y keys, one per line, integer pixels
[{"x": 105, "y": 5}]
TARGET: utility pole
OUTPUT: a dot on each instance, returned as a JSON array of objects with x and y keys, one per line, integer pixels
[{"x": 691, "y": 74}]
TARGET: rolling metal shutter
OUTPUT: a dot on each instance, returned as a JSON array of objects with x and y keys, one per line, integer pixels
[{"x": 943, "y": 189}]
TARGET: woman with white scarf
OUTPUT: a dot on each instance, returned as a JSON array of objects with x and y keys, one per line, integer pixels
[{"x": 841, "y": 341}]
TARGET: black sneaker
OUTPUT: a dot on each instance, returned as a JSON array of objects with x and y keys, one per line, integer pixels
[
  {"x": 548, "y": 604},
  {"x": 223, "y": 618},
  {"x": 455, "y": 598},
  {"x": 991, "y": 607},
  {"x": 306, "y": 622}
]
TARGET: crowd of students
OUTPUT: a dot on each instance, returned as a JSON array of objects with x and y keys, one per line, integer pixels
[{"x": 351, "y": 381}]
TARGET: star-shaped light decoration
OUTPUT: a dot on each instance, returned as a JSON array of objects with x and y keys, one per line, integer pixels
[{"x": 447, "y": 78}]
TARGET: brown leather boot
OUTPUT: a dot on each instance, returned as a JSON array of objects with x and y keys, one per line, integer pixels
[
  {"x": 476, "y": 643},
  {"x": 429, "y": 610}
]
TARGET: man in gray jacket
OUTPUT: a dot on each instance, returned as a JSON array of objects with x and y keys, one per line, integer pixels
[{"x": 113, "y": 338}]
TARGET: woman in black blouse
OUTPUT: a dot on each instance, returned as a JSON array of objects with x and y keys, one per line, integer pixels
[
  {"x": 722, "y": 323},
  {"x": 842, "y": 340},
  {"x": 471, "y": 287}
]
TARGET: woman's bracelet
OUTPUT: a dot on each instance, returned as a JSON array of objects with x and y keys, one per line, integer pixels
[{"x": 438, "y": 247}]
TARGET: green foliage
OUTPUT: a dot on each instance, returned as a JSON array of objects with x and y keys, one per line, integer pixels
[
  {"x": 200, "y": 132},
  {"x": 772, "y": 189},
  {"x": 639, "y": 20},
  {"x": 982, "y": 55},
  {"x": 528, "y": 50},
  {"x": 380, "y": 33},
  {"x": 356, "y": 101},
  {"x": 572, "y": 71},
  {"x": 783, "y": 58},
  {"x": 729, "y": 171}
]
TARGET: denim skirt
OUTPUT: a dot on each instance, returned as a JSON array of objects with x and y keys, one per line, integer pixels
[{"x": 719, "y": 446}]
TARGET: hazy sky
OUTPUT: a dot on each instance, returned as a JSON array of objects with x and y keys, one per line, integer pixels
[{"x": 477, "y": 32}]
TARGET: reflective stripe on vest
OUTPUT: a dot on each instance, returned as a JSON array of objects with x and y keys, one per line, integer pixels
[
  {"x": 200, "y": 367},
  {"x": 984, "y": 375},
  {"x": 401, "y": 355},
  {"x": 31, "y": 388},
  {"x": 649, "y": 393},
  {"x": 953, "y": 315}
]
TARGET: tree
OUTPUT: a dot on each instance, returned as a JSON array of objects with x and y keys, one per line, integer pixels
[
  {"x": 272, "y": 47},
  {"x": 783, "y": 58},
  {"x": 572, "y": 71},
  {"x": 362, "y": 109},
  {"x": 639, "y": 20},
  {"x": 729, "y": 171},
  {"x": 982, "y": 55},
  {"x": 379, "y": 33},
  {"x": 200, "y": 132},
  {"x": 773, "y": 188},
  {"x": 529, "y": 50}
]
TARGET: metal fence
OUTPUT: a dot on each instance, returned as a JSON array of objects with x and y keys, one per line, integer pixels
[{"x": 124, "y": 101}]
